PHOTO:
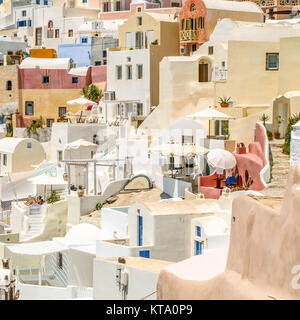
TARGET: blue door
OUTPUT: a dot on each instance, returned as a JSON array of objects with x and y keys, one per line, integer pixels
[
  {"x": 144, "y": 253},
  {"x": 140, "y": 231},
  {"x": 198, "y": 247}
]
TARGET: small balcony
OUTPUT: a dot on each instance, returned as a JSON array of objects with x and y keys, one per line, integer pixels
[{"x": 188, "y": 35}]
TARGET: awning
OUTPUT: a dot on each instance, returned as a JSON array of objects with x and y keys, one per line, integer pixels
[
  {"x": 45, "y": 179},
  {"x": 36, "y": 248},
  {"x": 81, "y": 143},
  {"x": 210, "y": 114}
]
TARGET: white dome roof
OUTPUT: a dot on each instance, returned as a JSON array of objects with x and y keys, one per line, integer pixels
[{"x": 83, "y": 233}]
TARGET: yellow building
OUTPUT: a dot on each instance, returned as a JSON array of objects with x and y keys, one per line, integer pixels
[
  {"x": 43, "y": 53},
  {"x": 8, "y": 84}
]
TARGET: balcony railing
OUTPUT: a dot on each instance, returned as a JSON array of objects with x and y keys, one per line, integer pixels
[{"x": 188, "y": 35}]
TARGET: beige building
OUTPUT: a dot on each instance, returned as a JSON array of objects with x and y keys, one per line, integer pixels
[
  {"x": 133, "y": 68},
  {"x": 8, "y": 84},
  {"x": 20, "y": 154},
  {"x": 240, "y": 61}
]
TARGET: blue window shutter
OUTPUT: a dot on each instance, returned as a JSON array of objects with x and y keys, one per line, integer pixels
[
  {"x": 198, "y": 230},
  {"x": 144, "y": 253},
  {"x": 198, "y": 247},
  {"x": 140, "y": 231}
]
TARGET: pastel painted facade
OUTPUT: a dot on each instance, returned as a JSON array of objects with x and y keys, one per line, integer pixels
[
  {"x": 9, "y": 91},
  {"x": 198, "y": 18},
  {"x": 46, "y": 90},
  {"x": 13, "y": 149},
  {"x": 133, "y": 68},
  {"x": 213, "y": 71},
  {"x": 50, "y": 27},
  {"x": 278, "y": 9},
  {"x": 92, "y": 51}
]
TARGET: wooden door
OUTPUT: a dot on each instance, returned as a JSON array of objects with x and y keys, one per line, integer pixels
[{"x": 203, "y": 72}]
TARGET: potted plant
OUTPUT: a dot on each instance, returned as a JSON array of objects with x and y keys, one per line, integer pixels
[
  {"x": 54, "y": 197},
  {"x": 80, "y": 191},
  {"x": 270, "y": 135},
  {"x": 224, "y": 102},
  {"x": 264, "y": 118},
  {"x": 73, "y": 188}
]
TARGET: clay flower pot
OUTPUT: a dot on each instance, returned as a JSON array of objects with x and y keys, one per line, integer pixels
[
  {"x": 224, "y": 105},
  {"x": 277, "y": 135},
  {"x": 80, "y": 192}
]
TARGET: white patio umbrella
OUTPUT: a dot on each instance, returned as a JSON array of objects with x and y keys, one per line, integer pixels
[
  {"x": 81, "y": 101},
  {"x": 210, "y": 114},
  {"x": 80, "y": 143},
  {"x": 9, "y": 108},
  {"x": 221, "y": 159},
  {"x": 45, "y": 179}
]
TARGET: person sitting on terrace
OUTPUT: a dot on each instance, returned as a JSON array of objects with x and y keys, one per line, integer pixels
[
  {"x": 39, "y": 200},
  {"x": 29, "y": 201}
]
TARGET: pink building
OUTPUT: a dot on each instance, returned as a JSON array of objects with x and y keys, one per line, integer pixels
[{"x": 118, "y": 10}]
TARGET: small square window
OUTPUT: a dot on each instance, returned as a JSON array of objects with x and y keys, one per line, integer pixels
[
  {"x": 97, "y": 63},
  {"x": 29, "y": 110},
  {"x": 38, "y": 1},
  {"x": 74, "y": 79},
  {"x": 24, "y": 13},
  {"x": 62, "y": 111},
  {"x": 56, "y": 33},
  {"x": 104, "y": 54},
  {"x": 84, "y": 40},
  {"x": 210, "y": 50},
  {"x": 50, "y": 122},
  {"x": 29, "y": 145},
  {"x": 104, "y": 62},
  {"x": 45, "y": 79},
  {"x": 272, "y": 61},
  {"x": 138, "y": 9},
  {"x": 223, "y": 64},
  {"x": 70, "y": 33},
  {"x": 139, "y": 21}
]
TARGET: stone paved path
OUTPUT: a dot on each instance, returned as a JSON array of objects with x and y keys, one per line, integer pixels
[{"x": 281, "y": 165}]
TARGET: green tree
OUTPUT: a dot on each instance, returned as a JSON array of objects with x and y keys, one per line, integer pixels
[
  {"x": 287, "y": 141},
  {"x": 92, "y": 93}
]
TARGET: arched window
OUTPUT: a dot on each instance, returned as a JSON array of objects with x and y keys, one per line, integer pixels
[
  {"x": 193, "y": 7},
  {"x": 50, "y": 24},
  {"x": 9, "y": 85}
]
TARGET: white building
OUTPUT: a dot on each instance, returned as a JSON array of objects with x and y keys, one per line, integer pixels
[{"x": 151, "y": 230}]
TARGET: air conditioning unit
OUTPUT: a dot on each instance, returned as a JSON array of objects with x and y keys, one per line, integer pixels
[{"x": 109, "y": 95}]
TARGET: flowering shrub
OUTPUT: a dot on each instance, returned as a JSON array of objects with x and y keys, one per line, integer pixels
[{"x": 89, "y": 107}]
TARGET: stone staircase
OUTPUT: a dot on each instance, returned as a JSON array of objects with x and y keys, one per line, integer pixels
[
  {"x": 36, "y": 224},
  {"x": 280, "y": 169}
]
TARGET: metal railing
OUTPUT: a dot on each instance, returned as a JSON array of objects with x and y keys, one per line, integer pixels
[{"x": 188, "y": 35}]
